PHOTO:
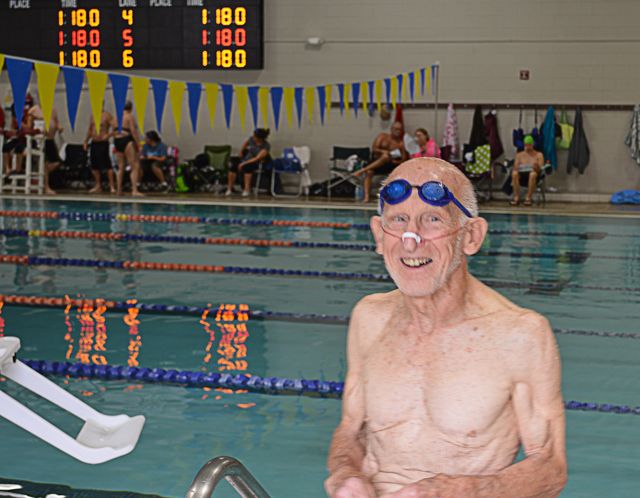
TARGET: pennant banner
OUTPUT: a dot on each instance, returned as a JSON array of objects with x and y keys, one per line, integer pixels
[
  {"x": 212, "y": 101},
  {"x": 227, "y": 101},
  {"x": 372, "y": 97},
  {"x": 19, "y": 76},
  {"x": 276, "y": 101},
  {"x": 263, "y": 102},
  {"x": 298, "y": 98},
  {"x": 428, "y": 78},
  {"x": 97, "y": 88},
  {"x": 347, "y": 91},
  {"x": 73, "y": 79},
  {"x": 1, "y": 61},
  {"x": 242, "y": 96},
  {"x": 159, "y": 88},
  {"x": 253, "y": 100},
  {"x": 394, "y": 92},
  {"x": 422, "y": 78},
  {"x": 176, "y": 95},
  {"x": 119, "y": 85},
  {"x": 379, "y": 94},
  {"x": 322, "y": 98},
  {"x": 140, "y": 94},
  {"x": 412, "y": 85},
  {"x": 387, "y": 88},
  {"x": 194, "y": 92},
  {"x": 341, "y": 97},
  {"x": 288, "y": 104},
  {"x": 327, "y": 99},
  {"x": 355, "y": 91},
  {"x": 309, "y": 96},
  {"x": 47, "y": 80}
]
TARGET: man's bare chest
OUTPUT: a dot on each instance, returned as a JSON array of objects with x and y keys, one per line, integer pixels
[{"x": 458, "y": 387}]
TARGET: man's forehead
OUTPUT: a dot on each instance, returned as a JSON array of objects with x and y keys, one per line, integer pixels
[{"x": 417, "y": 172}]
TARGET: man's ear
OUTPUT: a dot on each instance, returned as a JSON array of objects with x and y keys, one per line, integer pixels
[
  {"x": 476, "y": 232},
  {"x": 378, "y": 234}
]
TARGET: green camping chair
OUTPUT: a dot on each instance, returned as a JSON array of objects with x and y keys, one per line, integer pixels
[{"x": 219, "y": 156}]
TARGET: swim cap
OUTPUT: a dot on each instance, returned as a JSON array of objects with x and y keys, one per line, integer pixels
[{"x": 528, "y": 140}]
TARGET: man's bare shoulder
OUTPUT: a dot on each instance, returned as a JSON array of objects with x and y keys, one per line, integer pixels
[{"x": 370, "y": 315}]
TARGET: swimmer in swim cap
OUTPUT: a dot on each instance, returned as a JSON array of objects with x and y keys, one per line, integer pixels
[
  {"x": 446, "y": 378},
  {"x": 528, "y": 161}
]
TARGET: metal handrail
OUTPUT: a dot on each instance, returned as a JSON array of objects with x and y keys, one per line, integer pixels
[{"x": 236, "y": 474}]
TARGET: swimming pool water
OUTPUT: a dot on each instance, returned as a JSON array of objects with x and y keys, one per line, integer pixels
[{"x": 581, "y": 273}]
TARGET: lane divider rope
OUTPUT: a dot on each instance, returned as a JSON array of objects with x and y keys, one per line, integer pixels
[
  {"x": 254, "y": 383},
  {"x": 171, "y": 309}
]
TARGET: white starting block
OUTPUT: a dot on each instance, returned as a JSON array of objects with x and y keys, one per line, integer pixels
[{"x": 102, "y": 437}]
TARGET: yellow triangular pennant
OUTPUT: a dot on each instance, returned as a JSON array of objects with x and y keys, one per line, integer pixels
[
  {"x": 289, "y": 95},
  {"x": 310, "y": 97},
  {"x": 263, "y": 103},
  {"x": 176, "y": 94},
  {"x": 47, "y": 79},
  {"x": 364, "y": 90},
  {"x": 242, "y": 95},
  {"x": 97, "y": 87},
  {"x": 379, "y": 94},
  {"x": 347, "y": 92},
  {"x": 427, "y": 78},
  {"x": 212, "y": 101},
  {"x": 327, "y": 100},
  {"x": 1, "y": 61},
  {"x": 140, "y": 93},
  {"x": 394, "y": 92}
]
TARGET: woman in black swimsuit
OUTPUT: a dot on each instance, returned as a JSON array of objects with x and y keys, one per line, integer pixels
[{"x": 126, "y": 145}]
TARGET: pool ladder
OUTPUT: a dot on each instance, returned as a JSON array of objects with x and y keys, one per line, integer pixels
[{"x": 236, "y": 474}]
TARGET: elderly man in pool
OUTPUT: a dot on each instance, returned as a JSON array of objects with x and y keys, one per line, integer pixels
[{"x": 447, "y": 378}]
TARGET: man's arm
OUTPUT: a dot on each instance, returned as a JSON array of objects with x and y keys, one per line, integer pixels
[
  {"x": 377, "y": 145},
  {"x": 538, "y": 406},
  {"x": 346, "y": 453}
]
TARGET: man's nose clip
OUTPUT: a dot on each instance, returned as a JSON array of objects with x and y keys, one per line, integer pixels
[{"x": 411, "y": 235}]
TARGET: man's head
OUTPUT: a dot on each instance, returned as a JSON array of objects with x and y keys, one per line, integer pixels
[
  {"x": 128, "y": 106},
  {"x": 528, "y": 143},
  {"x": 397, "y": 130},
  {"x": 446, "y": 234}
]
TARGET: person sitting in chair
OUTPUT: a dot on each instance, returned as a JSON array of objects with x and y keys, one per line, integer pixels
[
  {"x": 154, "y": 156},
  {"x": 428, "y": 146},
  {"x": 253, "y": 152},
  {"x": 388, "y": 152},
  {"x": 528, "y": 161}
]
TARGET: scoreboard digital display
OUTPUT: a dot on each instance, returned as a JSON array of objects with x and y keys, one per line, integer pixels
[{"x": 135, "y": 34}]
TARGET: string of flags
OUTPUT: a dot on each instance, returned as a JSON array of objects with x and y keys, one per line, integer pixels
[{"x": 265, "y": 101}]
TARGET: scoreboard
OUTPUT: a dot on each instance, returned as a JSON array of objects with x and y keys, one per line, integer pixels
[{"x": 135, "y": 34}]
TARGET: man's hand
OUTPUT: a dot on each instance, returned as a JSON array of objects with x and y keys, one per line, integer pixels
[
  {"x": 352, "y": 487},
  {"x": 439, "y": 486}
]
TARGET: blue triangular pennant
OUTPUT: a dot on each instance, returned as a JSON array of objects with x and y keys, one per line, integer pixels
[
  {"x": 355, "y": 92},
  {"x": 322, "y": 98},
  {"x": 159, "y": 88},
  {"x": 422, "y": 78},
  {"x": 73, "y": 79},
  {"x": 341, "y": 96},
  {"x": 412, "y": 85},
  {"x": 119, "y": 85},
  {"x": 194, "y": 92},
  {"x": 372, "y": 97},
  {"x": 227, "y": 99},
  {"x": 19, "y": 76},
  {"x": 387, "y": 88},
  {"x": 276, "y": 101},
  {"x": 298, "y": 98},
  {"x": 253, "y": 100}
]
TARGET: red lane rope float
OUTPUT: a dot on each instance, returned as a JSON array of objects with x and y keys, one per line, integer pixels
[{"x": 152, "y": 218}]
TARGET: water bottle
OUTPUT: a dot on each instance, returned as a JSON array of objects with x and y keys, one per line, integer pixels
[{"x": 359, "y": 193}]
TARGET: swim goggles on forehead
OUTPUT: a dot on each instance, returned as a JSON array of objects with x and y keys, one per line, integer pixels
[{"x": 433, "y": 193}]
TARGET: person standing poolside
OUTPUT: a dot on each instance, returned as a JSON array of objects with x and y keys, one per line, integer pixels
[
  {"x": 51, "y": 156},
  {"x": 388, "y": 152},
  {"x": 99, "y": 156},
  {"x": 446, "y": 377},
  {"x": 126, "y": 145},
  {"x": 531, "y": 161}
]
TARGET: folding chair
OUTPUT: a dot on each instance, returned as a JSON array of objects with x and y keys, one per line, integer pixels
[
  {"x": 294, "y": 161},
  {"x": 338, "y": 171},
  {"x": 541, "y": 183},
  {"x": 479, "y": 170},
  {"x": 219, "y": 159}
]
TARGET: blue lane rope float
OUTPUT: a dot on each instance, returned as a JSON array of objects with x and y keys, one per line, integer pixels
[
  {"x": 253, "y": 383},
  {"x": 252, "y": 314},
  {"x": 102, "y": 216}
]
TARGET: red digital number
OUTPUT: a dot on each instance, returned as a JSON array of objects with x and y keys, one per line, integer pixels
[
  {"x": 94, "y": 38},
  {"x": 60, "y": 38},
  {"x": 79, "y": 38},
  {"x": 241, "y": 37},
  {"x": 224, "y": 37},
  {"x": 126, "y": 36}
]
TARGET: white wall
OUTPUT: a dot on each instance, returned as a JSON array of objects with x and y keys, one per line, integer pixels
[{"x": 578, "y": 51}]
